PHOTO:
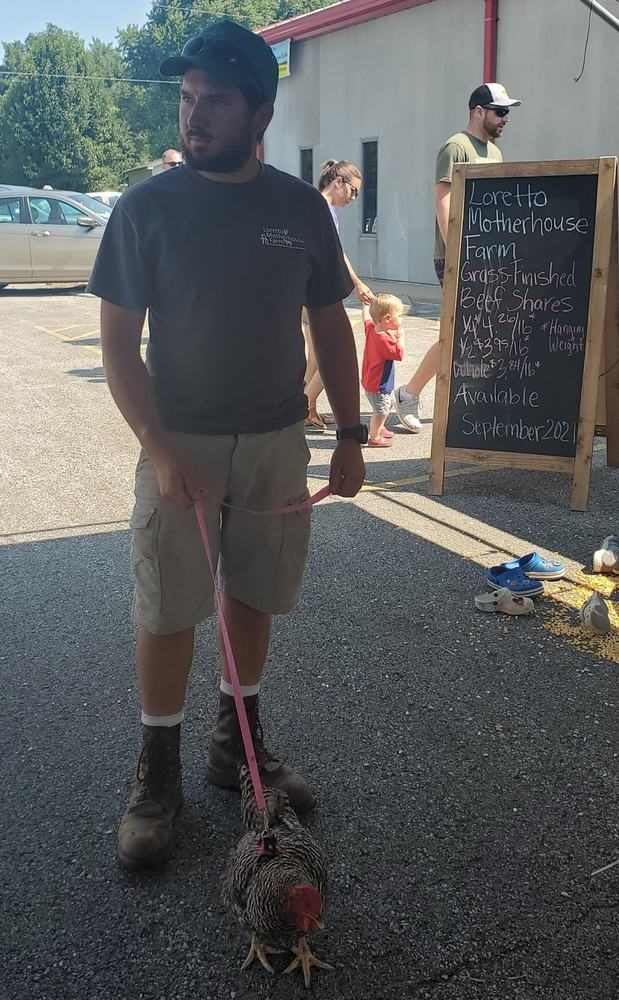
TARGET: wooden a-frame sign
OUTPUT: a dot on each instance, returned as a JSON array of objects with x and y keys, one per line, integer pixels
[{"x": 520, "y": 199}]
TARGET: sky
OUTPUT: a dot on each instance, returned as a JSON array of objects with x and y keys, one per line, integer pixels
[{"x": 89, "y": 18}]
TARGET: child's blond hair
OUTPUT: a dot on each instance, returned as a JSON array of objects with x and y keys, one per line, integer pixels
[{"x": 383, "y": 304}]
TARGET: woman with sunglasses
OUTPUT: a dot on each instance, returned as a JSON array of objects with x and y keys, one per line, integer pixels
[{"x": 339, "y": 183}]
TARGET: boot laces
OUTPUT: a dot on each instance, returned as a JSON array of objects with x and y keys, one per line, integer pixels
[
  {"x": 155, "y": 773},
  {"x": 263, "y": 756}
]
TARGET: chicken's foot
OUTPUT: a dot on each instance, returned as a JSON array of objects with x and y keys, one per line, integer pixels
[
  {"x": 306, "y": 959},
  {"x": 260, "y": 951}
]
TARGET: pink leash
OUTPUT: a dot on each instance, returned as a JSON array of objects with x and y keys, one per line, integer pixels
[{"x": 228, "y": 652}]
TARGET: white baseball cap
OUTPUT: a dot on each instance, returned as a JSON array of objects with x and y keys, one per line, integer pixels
[{"x": 491, "y": 95}]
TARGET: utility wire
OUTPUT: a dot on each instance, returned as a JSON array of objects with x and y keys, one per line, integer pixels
[
  {"x": 181, "y": 10},
  {"x": 198, "y": 10},
  {"x": 77, "y": 76},
  {"x": 578, "y": 78}
]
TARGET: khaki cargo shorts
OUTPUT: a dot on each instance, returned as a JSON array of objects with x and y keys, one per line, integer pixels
[{"x": 262, "y": 558}]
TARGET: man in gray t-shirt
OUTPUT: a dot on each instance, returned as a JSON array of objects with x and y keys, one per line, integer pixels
[
  {"x": 222, "y": 254},
  {"x": 222, "y": 270}
]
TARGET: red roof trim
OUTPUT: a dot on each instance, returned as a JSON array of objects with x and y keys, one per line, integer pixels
[{"x": 334, "y": 18}]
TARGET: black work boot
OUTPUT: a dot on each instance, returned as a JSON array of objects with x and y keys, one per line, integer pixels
[
  {"x": 226, "y": 754},
  {"x": 146, "y": 831}
]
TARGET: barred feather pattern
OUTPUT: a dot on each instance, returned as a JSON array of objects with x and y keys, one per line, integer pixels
[{"x": 255, "y": 888}]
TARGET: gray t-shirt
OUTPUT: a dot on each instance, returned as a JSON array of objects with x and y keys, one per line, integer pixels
[{"x": 223, "y": 270}]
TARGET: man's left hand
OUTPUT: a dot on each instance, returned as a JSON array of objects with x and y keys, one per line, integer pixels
[{"x": 347, "y": 469}]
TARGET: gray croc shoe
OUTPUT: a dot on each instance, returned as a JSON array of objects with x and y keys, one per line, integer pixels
[
  {"x": 505, "y": 601},
  {"x": 606, "y": 559},
  {"x": 594, "y": 615}
]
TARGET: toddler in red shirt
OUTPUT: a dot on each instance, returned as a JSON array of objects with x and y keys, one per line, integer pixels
[{"x": 383, "y": 346}]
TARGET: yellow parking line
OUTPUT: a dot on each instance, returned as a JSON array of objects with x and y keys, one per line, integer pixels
[
  {"x": 70, "y": 340},
  {"x": 396, "y": 484},
  {"x": 82, "y": 336},
  {"x": 59, "y": 335},
  {"x": 59, "y": 331},
  {"x": 468, "y": 470}
]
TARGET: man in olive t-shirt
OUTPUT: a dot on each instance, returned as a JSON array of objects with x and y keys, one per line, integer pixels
[
  {"x": 463, "y": 147},
  {"x": 489, "y": 107}
]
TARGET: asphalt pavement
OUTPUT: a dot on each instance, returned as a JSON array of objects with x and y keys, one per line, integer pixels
[{"x": 465, "y": 764}]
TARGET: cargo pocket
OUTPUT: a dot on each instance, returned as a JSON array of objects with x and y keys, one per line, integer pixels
[
  {"x": 293, "y": 555},
  {"x": 144, "y": 523}
]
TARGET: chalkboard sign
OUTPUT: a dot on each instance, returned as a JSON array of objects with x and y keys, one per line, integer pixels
[
  {"x": 521, "y": 323},
  {"x": 523, "y": 314}
]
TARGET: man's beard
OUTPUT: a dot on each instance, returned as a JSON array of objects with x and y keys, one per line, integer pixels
[
  {"x": 227, "y": 160},
  {"x": 494, "y": 131}
]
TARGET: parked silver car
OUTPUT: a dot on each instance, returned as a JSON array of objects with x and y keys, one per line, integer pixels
[
  {"x": 48, "y": 236},
  {"x": 107, "y": 197}
]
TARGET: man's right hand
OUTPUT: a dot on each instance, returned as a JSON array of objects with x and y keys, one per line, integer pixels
[{"x": 178, "y": 479}]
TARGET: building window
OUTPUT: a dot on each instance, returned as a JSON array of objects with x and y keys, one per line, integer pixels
[
  {"x": 370, "y": 186},
  {"x": 307, "y": 165}
]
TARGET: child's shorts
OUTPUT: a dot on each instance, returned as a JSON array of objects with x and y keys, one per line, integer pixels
[{"x": 381, "y": 402}]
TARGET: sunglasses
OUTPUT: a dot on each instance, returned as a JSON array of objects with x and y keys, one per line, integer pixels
[
  {"x": 499, "y": 112},
  {"x": 354, "y": 192}
]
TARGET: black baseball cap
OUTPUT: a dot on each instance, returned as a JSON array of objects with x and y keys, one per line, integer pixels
[
  {"x": 233, "y": 54},
  {"x": 491, "y": 95}
]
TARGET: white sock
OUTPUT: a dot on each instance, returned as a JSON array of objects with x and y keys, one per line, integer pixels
[
  {"x": 248, "y": 692},
  {"x": 405, "y": 394},
  {"x": 163, "y": 720}
]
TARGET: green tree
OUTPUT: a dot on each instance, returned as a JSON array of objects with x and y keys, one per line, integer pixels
[
  {"x": 152, "y": 111},
  {"x": 59, "y": 126},
  {"x": 105, "y": 60}
]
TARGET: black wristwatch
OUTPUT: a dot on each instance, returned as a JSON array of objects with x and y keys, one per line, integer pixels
[{"x": 358, "y": 433}]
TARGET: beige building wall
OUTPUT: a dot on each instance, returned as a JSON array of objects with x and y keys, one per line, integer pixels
[
  {"x": 540, "y": 52},
  {"x": 382, "y": 80},
  {"x": 405, "y": 80}
]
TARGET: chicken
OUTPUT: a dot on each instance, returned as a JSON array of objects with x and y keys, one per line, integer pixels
[{"x": 276, "y": 881}]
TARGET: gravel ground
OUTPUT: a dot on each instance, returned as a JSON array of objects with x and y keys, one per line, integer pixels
[{"x": 466, "y": 765}]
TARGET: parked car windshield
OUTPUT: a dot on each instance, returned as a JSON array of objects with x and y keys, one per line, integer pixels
[
  {"x": 108, "y": 198},
  {"x": 92, "y": 204}
]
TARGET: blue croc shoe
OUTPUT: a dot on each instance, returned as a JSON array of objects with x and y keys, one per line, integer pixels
[
  {"x": 536, "y": 567},
  {"x": 514, "y": 580}
]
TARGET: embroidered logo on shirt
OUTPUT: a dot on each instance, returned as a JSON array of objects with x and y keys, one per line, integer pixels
[{"x": 275, "y": 236}]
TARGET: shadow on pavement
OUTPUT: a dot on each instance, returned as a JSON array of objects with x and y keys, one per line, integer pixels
[
  {"x": 90, "y": 374},
  {"x": 465, "y": 767},
  {"x": 39, "y": 291},
  {"x": 530, "y": 505}
]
